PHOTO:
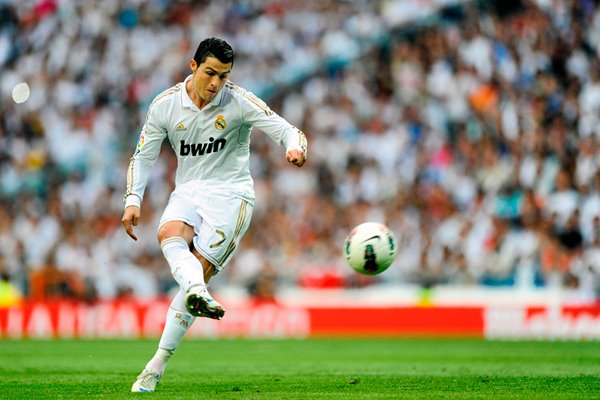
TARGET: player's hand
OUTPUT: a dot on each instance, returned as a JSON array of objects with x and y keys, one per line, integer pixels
[
  {"x": 130, "y": 217},
  {"x": 296, "y": 157}
]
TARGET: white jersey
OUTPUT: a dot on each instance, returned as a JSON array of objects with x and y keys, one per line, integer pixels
[{"x": 212, "y": 145}]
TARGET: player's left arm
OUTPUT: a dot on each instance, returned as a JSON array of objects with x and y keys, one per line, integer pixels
[
  {"x": 296, "y": 157},
  {"x": 259, "y": 115}
]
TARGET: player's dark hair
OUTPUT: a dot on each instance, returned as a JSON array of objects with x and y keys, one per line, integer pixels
[{"x": 214, "y": 47}]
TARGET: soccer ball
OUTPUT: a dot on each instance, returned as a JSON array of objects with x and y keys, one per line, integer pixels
[{"x": 370, "y": 248}]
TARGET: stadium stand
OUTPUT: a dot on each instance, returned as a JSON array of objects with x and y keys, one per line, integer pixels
[{"x": 471, "y": 130}]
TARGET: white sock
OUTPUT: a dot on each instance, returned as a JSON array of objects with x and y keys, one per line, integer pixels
[
  {"x": 176, "y": 325},
  {"x": 158, "y": 363},
  {"x": 185, "y": 267}
]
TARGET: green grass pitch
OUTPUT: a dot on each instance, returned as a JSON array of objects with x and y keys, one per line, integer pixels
[{"x": 305, "y": 369}]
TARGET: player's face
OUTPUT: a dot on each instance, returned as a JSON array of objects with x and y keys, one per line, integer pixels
[{"x": 208, "y": 79}]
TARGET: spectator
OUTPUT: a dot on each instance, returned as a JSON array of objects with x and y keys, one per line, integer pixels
[{"x": 425, "y": 132}]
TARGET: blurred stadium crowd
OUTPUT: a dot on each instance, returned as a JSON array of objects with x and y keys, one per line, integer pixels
[{"x": 473, "y": 133}]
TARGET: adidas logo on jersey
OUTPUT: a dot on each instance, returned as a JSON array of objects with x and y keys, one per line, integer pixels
[
  {"x": 180, "y": 127},
  {"x": 198, "y": 149}
]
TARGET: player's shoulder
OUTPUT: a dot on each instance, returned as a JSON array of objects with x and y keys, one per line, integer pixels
[
  {"x": 235, "y": 91},
  {"x": 246, "y": 98},
  {"x": 166, "y": 95}
]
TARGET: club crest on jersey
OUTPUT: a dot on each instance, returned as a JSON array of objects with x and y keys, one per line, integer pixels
[{"x": 220, "y": 123}]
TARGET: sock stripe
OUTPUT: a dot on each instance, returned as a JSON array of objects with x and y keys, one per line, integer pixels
[{"x": 174, "y": 239}]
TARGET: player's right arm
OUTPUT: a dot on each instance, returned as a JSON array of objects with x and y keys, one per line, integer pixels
[
  {"x": 130, "y": 219},
  {"x": 144, "y": 158}
]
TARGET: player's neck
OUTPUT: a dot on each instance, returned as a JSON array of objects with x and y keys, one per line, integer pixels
[{"x": 195, "y": 97}]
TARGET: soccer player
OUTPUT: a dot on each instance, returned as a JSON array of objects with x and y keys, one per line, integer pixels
[{"x": 207, "y": 120}]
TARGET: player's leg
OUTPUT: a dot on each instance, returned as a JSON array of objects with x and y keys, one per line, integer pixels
[
  {"x": 198, "y": 300},
  {"x": 175, "y": 238},
  {"x": 213, "y": 246},
  {"x": 178, "y": 321},
  {"x": 174, "y": 235},
  {"x": 190, "y": 269},
  {"x": 177, "y": 227},
  {"x": 226, "y": 222}
]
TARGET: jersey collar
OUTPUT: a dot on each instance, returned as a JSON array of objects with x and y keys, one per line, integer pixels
[{"x": 186, "y": 101}]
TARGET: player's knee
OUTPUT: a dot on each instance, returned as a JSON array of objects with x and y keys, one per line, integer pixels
[
  {"x": 175, "y": 229},
  {"x": 162, "y": 234}
]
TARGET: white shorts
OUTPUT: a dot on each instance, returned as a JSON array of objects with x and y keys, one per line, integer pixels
[{"x": 219, "y": 221}]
